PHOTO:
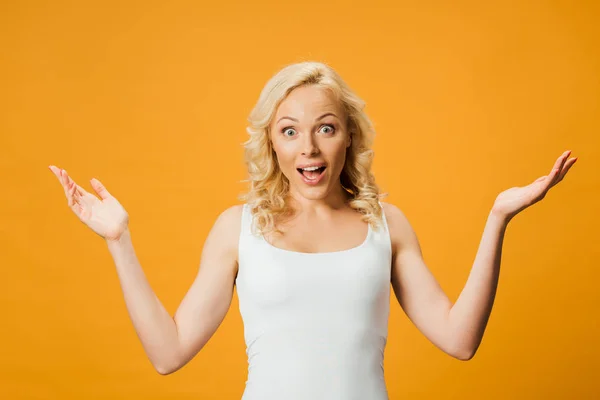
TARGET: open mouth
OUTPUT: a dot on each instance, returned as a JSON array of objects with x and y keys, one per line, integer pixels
[{"x": 311, "y": 174}]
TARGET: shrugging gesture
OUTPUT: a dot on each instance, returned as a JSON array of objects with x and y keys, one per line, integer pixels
[
  {"x": 103, "y": 215},
  {"x": 514, "y": 200}
]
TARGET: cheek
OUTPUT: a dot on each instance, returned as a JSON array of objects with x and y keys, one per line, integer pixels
[
  {"x": 340, "y": 153},
  {"x": 285, "y": 157}
]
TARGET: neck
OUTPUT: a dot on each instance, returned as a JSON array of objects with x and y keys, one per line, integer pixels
[{"x": 335, "y": 200}]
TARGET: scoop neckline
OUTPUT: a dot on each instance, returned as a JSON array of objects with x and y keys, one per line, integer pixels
[{"x": 302, "y": 253}]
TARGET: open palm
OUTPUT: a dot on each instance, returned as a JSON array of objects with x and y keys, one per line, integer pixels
[
  {"x": 103, "y": 215},
  {"x": 514, "y": 200}
]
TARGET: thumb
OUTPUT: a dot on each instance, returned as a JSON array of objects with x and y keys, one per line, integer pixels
[{"x": 100, "y": 189}]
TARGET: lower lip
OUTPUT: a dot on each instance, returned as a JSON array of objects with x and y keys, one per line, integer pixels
[{"x": 312, "y": 182}]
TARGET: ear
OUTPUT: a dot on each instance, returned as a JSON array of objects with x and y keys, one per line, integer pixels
[{"x": 349, "y": 141}]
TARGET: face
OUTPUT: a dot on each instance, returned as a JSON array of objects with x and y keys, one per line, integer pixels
[{"x": 309, "y": 136}]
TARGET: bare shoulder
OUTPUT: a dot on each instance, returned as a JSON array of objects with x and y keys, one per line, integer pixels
[
  {"x": 401, "y": 231},
  {"x": 232, "y": 216},
  {"x": 226, "y": 229},
  {"x": 394, "y": 216}
]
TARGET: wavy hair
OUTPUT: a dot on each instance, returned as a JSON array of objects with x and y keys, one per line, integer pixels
[{"x": 269, "y": 186}]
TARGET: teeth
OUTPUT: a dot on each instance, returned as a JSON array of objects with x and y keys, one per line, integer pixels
[{"x": 310, "y": 168}]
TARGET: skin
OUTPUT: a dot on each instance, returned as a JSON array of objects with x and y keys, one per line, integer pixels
[
  {"x": 299, "y": 136},
  {"x": 310, "y": 126},
  {"x": 170, "y": 342}
]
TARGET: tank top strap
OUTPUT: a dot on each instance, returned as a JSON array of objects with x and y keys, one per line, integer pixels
[
  {"x": 247, "y": 222},
  {"x": 245, "y": 239},
  {"x": 383, "y": 234},
  {"x": 383, "y": 218}
]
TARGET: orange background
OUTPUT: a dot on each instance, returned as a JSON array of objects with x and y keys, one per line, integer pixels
[{"x": 468, "y": 99}]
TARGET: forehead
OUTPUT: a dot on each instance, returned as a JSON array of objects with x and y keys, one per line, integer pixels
[{"x": 306, "y": 101}]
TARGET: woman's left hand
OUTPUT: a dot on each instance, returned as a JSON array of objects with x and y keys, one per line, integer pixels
[{"x": 514, "y": 200}]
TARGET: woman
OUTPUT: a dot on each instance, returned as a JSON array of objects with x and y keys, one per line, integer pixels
[{"x": 312, "y": 251}]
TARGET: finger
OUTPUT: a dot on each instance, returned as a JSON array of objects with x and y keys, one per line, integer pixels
[
  {"x": 552, "y": 175},
  {"x": 558, "y": 177},
  {"x": 560, "y": 162},
  {"x": 63, "y": 178},
  {"x": 556, "y": 170},
  {"x": 70, "y": 199},
  {"x": 75, "y": 197},
  {"x": 59, "y": 175},
  {"x": 54, "y": 170},
  {"x": 100, "y": 189},
  {"x": 564, "y": 159},
  {"x": 566, "y": 168},
  {"x": 75, "y": 194},
  {"x": 68, "y": 182},
  {"x": 63, "y": 181},
  {"x": 71, "y": 182},
  {"x": 81, "y": 191}
]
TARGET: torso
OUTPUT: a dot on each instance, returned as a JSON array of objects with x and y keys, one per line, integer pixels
[{"x": 315, "y": 308}]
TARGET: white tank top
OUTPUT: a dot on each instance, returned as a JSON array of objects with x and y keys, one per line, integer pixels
[{"x": 315, "y": 324}]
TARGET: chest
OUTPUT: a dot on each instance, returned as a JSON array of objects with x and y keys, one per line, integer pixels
[{"x": 307, "y": 237}]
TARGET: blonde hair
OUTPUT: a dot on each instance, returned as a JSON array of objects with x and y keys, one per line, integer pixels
[{"x": 269, "y": 186}]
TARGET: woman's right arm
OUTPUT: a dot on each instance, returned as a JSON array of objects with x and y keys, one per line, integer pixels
[{"x": 171, "y": 342}]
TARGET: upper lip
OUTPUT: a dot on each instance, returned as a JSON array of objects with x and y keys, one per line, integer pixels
[{"x": 314, "y": 164}]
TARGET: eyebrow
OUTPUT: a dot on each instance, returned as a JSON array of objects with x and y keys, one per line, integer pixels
[{"x": 321, "y": 117}]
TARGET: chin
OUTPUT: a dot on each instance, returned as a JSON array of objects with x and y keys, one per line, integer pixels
[{"x": 311, "y": 193}]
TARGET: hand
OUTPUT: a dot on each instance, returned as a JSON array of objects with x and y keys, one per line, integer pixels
[
  {"x": 512, "y": 201},
  {"x": 105, "y": 216}
]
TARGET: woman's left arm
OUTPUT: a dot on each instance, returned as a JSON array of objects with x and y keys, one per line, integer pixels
[
  {"x": 458, "y": 328},
  {"x": 469, "y": 315}
]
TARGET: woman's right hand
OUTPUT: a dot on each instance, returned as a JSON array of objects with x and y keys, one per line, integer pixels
[{"x": 105, "y": 216}]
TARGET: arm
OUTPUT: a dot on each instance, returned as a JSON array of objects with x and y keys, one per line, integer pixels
[
  {"x": 171, "y": 342},
  {"x": 455, "y": 329},
  {"x": 458, "y": 329},
  {"x": 468, "y": 317}
]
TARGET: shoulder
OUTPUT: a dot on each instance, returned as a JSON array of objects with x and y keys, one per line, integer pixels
[
  {"x": 402, "y": 234},
  {"x": 230, "y": 220},
  {"x": 226, "y": 229},
  {"x": 231, "y": 215},
  {"x": 394, "y": 216}
]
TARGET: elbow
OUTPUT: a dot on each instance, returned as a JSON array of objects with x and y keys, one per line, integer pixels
[
  {"x": 167, "y": 364},
  {"x": 165, "y": 370},
  {"x": 464, "y": 355},
  {"x": 462, "y": 352},
  {"x": 463, "y": 349},
  {"x": 173, "y": 363}
]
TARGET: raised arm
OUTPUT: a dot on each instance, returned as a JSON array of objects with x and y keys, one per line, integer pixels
[
  {"x": 169, "y": 342},
  {"x": 458, "y": 328}
]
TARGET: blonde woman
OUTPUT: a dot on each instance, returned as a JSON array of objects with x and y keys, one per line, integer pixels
[{"x": 312, "y": 250}]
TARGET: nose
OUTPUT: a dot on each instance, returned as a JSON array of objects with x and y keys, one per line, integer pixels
[{"x": 309, "y": 146}]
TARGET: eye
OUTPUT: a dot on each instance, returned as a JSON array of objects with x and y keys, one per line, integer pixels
[
  {"x": 330, "y": 128},
  {"x": 288, "y": 129}
]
